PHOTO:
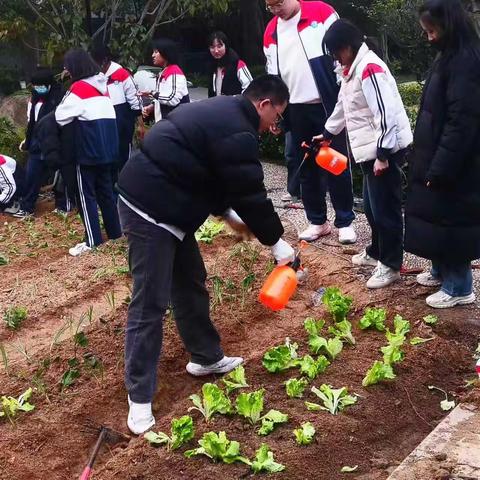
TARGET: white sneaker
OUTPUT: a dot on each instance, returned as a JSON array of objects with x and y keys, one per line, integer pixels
[
  {"x": 225, "y": 365},
  {"x": 347, "y": 235},
  {"x": 444, "y": 300},
  {"x": 13, "y": 209},
  {"x": 79, "y": 249},
  {"x": 314, "y": 232},
  {"x": 363, "y": 259},
  {"x": 428, "y": 280},
  {"x": 286, "y": 198},
  {"x": 23, "y": 214},
  {"x": 382, "y": 276},
  {"x": 140, "y": 417}
]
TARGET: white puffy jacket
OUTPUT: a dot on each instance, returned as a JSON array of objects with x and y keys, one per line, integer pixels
[{"x": 371, "y": 109}]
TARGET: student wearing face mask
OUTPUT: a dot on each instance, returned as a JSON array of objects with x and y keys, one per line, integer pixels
[
  {"x": 46, "y": 95},
  {"x": 443, "y": 202},
  {"x": 171, "y": 89},
  {"x": 230, "y": 74}
]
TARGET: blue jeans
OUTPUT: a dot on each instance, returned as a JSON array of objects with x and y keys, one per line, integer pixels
[{"x": 457, "y": 280}]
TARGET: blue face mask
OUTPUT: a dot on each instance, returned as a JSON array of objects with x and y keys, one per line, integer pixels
[{"x": 41, "y": 89}]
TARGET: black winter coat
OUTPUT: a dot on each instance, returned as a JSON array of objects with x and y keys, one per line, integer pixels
[
  {"x": 443, "y": 220},
  {"x": 231, "y": 84},
  {"x": 200, "y": 160}
]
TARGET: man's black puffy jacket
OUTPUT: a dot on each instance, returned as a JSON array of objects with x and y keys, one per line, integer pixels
[{"x": 200, "y": 160}]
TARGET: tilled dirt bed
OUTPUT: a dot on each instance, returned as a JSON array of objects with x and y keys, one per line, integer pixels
[{"x": 386, "y": 423}]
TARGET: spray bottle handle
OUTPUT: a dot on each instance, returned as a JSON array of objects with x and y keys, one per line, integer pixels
[{"x": 297, "y": 263}]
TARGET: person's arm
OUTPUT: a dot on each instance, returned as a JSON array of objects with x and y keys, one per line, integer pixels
[
  {"x": 70, "y": 108},
  {"x": 239, "y": 172},
  {"x": 171, "y": 90},
  {"x": 335, "y": 124},
  {"x": 381, "y": 102},
  {"x": 8, "y": 186},
  {"x": 460, "y": 132},
  {"x": 131, "y": 94},
  {"x": 244, "y": 75}
]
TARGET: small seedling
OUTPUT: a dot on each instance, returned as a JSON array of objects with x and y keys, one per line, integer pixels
[
  {"x": 208, "y": 231},
  {"x": 334, "y": 400},
  {"x": 347, "y": 469},
  {"x": 182, "y": 431},
  {"x": 235, "y": 380},
  {"x": 446, "y": 404},
  {"x": 214, "y": 401},
  {"x": 250, "y": 405},
  {"x": 14, "y": 316},
  {"x": 430, "y": 319},
  {"x": 337, "y": 304},
  {"x": 304, "y": 435},
  {"x": 295, "y": 387}
]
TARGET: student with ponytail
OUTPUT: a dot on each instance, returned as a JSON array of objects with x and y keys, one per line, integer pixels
[{"x": 369, "y": 107}]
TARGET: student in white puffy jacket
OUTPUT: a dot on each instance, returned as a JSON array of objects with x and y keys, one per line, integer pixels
[{"x": 370, "y": 108}]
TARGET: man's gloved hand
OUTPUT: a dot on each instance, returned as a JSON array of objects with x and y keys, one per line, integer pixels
[
  {"x": 283, "y": 252},
  {"x": 237, "y": 224}
]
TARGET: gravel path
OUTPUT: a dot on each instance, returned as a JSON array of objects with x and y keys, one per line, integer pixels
[{"x": 293, "y": 219}]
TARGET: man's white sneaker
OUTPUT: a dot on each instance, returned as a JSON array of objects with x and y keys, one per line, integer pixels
[
  {"x": 347, "y": 235},
  {"x": 23, "y": 214},
  {"x": 382, "y": 276},
  {"x": 363, "y": 259},
  {"x": 13, "y": 209},
  {"x": 225, "y": 365},
  {"x": 140, "y": 417},
  {"x": 79, "y": 249},
  {"x": 428, "y": 280},
  {"x": 314, "y": 232},
  {"x": 444, "y": 300}
]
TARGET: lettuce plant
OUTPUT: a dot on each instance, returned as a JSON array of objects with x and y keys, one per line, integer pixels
[{"x": 214, "y": 401}]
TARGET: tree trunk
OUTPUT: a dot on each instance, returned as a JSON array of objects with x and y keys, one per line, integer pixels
[{"x": 252, "y": 27}]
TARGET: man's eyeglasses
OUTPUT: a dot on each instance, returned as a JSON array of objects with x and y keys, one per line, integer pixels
[
  {"x": 276, "y": 6},
  {"x": 279, "y": 118}
]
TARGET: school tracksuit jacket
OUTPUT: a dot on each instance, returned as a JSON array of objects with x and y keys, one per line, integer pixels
[
  {"x": 171, "y": 91},
  {"x": 123, "y": 93},
  {"x": 11, "y": 181},
  {"x": 87, "y": 104}
]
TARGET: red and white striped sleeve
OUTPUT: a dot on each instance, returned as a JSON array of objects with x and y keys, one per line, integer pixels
[
  {"x": 244, "y": 75},
  {"x": 381, "y": 101}
]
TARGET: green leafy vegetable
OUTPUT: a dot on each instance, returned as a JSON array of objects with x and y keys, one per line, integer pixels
[
  {"x": 10, "y": 406},
  {"x": 392, "y": 353},
  {"x": 295, "y": 387},
  {"x": 430, "y": 319},
  {"x": 374, "y": 318},
  {"x": 14, "y": 316},
  {"x": 264, "y": 461},
  {"x": 419, "y": 340},
  {"x": 338, "y": 305},
  {"x": 402, "y": 327},
  {"x": 182, "y": 431},
  {"x": 214, "y": 401},
  {"x": 334, "y": 400},
  {"x": 446, "y": 404},
  {"x": 349, "y": 469},
  {"x": 378, "y": 372},
  {"x": 235, "y": 379},
  {"x": 313, "y": 326},
  {"x": 208, "y": 231},
  {"x": 219, "y": 448},
  {"x": 332, "y": 347},
  {"x": 281, "y": 358},
  {"x": 311, "y": 368},
  {"x": 270, "y": 420},
  {"x": 343, "y": 331},
  {"x": 304, "y": 435},
  {"x": 250, "y": 405}
]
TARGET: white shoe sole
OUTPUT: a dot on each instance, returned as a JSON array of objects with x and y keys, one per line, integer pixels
[
  {"x": 203, "y": 371},
  {"x": 374, "y": 286},
  {"x": 432, "y": 283},
  {"x": 469, "y": 299}
]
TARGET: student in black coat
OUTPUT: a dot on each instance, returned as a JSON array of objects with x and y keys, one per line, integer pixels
[
  {"x": 443, "y": 204},
  {"x": 200, "y": 160},
  {"x": 230, "y": 74}
]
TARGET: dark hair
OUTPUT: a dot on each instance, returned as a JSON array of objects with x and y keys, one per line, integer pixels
[
  {"x": 101, "y": 53},
  {"x": 168, "y": 49},
  {"x": 458, "y": 30},
  {"x": 342, "y": 34},
  {"x": 268, "y": 86},
  {"x": 42, "y": 76},
  {"x": 80, "y": 64},
  {"x": 230, "y": 58}
]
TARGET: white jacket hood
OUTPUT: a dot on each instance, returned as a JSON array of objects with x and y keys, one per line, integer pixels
[{"x": 99, "y": 82}]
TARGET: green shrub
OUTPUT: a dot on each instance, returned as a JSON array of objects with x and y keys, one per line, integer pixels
[
  {"x": 10, "y": 138},
  {"x": 272, "y": 147},
  {"x": 411, "y": 93}
]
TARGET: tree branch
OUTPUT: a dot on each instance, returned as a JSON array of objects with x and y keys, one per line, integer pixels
[{"x": 41, "y": 17}]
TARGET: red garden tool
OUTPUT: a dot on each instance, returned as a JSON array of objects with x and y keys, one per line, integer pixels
[{"x": 105, "y": 435}]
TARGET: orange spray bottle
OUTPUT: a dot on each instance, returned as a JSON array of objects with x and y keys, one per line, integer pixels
[
  {"x": 328, "y": 158},
  {"x": 281, "y": 284}
]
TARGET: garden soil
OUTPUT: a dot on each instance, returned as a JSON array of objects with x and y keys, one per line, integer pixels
[{"x": 387, "y": 423}]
